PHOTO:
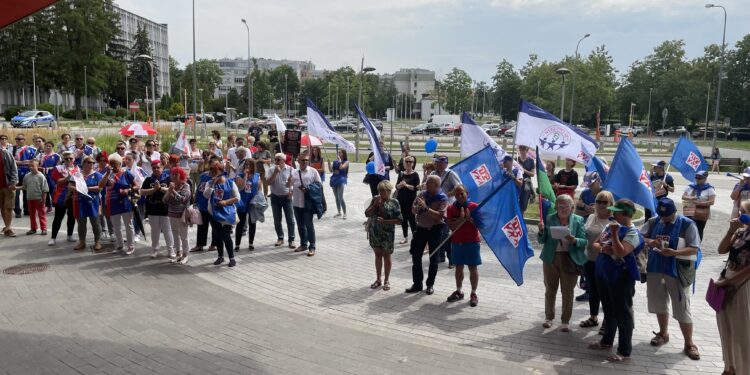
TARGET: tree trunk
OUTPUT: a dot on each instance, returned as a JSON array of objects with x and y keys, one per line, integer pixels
[{"x": 77, "y": 101}]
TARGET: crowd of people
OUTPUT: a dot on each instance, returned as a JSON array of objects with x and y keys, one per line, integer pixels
[{"x": 227, "y": 188}]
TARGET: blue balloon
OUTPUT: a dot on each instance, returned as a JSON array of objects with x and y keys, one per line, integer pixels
[
  {"x": 430, "y": 146},
  {"x": 370, "y": 167}
]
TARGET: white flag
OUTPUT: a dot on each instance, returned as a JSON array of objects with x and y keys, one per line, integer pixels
[
  {"x": 280, "y": 127},
  {"x": 182, "y": 143},
  {"x": 474, "y": 138},
  {"x": 318, "y": 126},
  {"x": 377, "y": 152},
  {"x": 538, "y": 128},
  {"x": 81, "y": 187}
]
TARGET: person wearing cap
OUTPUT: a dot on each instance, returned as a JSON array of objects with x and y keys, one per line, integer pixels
[
  {"x": 429, "y": 208},
  {"x": 561, "y": 259},
  {"x": 154, "y": 189},
  {"x": 595, "y": 225},
  {"x": 448, "y": 182},
  {"x": 616, "y": 272},
  {"x": 528, "y": 165},
  {"x": 674, "y": 249},
  {"x": 566, "y": 180},
  {"x": 512, "y": 172},
  {"x": 697, "y": 201},
  {"x": 586, "y": 200},
  {"x": 740, "y": 192},
  {"x": 662, "y": 182},
  {"x": 732, "y": 319}
]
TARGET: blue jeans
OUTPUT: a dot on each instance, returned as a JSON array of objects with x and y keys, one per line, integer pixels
[
  {"x": 279, "y": 203},
  {"x": 338, "y": 193},
  {"x": 305, "y": 226}
]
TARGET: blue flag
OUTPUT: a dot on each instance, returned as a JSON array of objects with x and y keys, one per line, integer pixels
[
  {"x": 627, "y": 178},
  {"x": 480, "y": 173},
  {"x": 688, "y": 159},
  {"x": 599, "y": 166},
  {"x": 374, "y": 142},
  {"x": 500, "y": 221}
]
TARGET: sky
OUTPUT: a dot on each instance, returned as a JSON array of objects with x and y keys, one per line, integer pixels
[{"x": 473, "y": 35}]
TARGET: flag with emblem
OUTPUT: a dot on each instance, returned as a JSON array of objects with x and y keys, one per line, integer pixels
[
  {"x": 627, "y": 178},
  {"x": 480, "y": 173},
  {"x": 539, "y": 128},
  {"x": 474, "y": 139},
  {"x": 500, "y": 221},
  {"x": 318, "y": 125},
  {"x": 688, "y": 159}
]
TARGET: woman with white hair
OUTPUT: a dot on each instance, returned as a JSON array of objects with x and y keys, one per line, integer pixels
[
  {"x": 562, "y": 257},
  {"x": 119, "y": 185}
]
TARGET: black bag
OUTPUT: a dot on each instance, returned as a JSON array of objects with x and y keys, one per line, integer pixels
[
  {"x": 366, "y": 180},
  {"x": 685, "y": 271}
]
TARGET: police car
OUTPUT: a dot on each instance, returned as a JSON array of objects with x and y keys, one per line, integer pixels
[{"x": 32, "y": 119}]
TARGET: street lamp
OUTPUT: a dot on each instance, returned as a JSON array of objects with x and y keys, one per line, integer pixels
[
  {"x": 362, "y": 71},
  {"x": 33, "y": 77},
  {"x": 286, "y": 98},
  {"x": 573, "y": 84},
  {"x": 721, "y": 71},
  {"x": 150, "y": 61},
  {"x": 195, "y": 79},
  {"x": 203, "y": 116},
  {"x": 86, "y": 90},
  {"x": 562, "y": 72},
  {"x": 648, "y": 122},
  {"x": 249, "y": 71}
]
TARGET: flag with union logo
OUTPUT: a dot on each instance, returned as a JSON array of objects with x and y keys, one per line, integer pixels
[
  {"x": 539, "y": 128},
  {"x": 480, "y": 173},
  {"x": 627, "y": 178},
  {"x": 500, "y": 221},
  {"x": 688, "y": 159}
]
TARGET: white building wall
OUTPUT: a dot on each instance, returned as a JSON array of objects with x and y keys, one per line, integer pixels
[{"x": 235, "y": 70}]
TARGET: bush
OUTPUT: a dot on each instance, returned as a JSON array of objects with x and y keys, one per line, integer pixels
[
  {"x": 69, "y": 114},
  {"x": 163, "y": 114},
  {"x": 121, "y": 113},
  {"x": 10, "y": 112},
  {"x": 46, "y": 107},
  {"x": 109, "y": 112}
]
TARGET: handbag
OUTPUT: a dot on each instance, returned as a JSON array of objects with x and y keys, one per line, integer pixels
[
  {"x": 715, "y": 296},
  {"x": 192, "y": 215}
]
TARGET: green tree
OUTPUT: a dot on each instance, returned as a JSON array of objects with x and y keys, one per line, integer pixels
[
  {"x": 506, "y": 91},
  {"x": 140, "y": 72},
  {"x": 261, "y": 90},
  {"x": 284, "y": 83},
  {"x": 208, "y": 77},
  {"x": 175, "y": 78},
  {"x": 457, "y": 87},
  {"x": 735, "y": 93}
]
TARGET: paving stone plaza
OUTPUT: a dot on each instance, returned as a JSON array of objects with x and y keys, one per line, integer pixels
[{"x": 280, "y": 312}]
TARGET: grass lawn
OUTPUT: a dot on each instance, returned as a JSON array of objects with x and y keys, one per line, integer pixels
[{"x": 736, "y": 145}]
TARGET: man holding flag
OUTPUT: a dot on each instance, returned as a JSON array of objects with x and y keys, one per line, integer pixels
[{"x": 429, "y": 209}]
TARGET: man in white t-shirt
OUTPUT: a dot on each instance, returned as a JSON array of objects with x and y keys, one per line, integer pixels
[{"x": 301, "y": 179}]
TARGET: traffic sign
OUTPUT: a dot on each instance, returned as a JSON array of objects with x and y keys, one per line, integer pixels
[{"x": 134, "y": 107}]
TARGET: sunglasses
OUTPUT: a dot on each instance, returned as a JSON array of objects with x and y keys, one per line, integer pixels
[
  {"x": 602, "y": 202},
  {"x": 409, "y": 162},
  {"x": 90, "y": 143},
  {"x": 700, "y": 177},
  {"x": 150, "y": 145},
  {"x": 305, "y": 160},
  {"x": 20, "y": 139},
  {"x": 121, "y": 148},
  {"x": 88, "y": 162},
  {"x": 79, "y": 139},
  {"x": 68, "y": 158}
]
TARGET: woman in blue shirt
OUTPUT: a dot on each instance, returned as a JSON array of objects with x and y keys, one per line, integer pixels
[
  {"x": 339, "y": 173},
  {"x": 248, "y": 182}
]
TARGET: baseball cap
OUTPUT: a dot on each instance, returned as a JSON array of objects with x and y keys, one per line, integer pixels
[
  {"x": 660, "y": 163},
  {"x": 507, "y": 158},
  {"x": 703, "y": 174},
  {"x": 623, "y": 205},
  {"x": 155, "y": 162},
  {"x": 440, "y": 157},
  {"x": 665, "y": 207},
  {"x": 589, "y": 178},
  {"x": 746, "y": 172}
]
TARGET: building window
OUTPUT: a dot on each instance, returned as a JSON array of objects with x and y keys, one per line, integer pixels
[
  {"x": 415, "y": 84},
  {"x": 239, "y": 80}
]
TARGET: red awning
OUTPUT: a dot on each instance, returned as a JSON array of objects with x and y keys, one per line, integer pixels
[{"x": 16, "y": 10}]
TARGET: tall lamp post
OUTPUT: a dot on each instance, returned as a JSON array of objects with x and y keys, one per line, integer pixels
[
  {"x": 362, "y": 71},
  {"x": 562, "y": 72},
  {"x": 573, "y": 84},
  {"x": 721, "y": 72},
  {"x": 195, "y": 78},
  {"x": 33, "y": 77},
  {"x": 86, "y": 90},
  {"x": 249, "y": 72},
  {"x": 150, "y": 61},
  {"x": 648, "y": 122}
]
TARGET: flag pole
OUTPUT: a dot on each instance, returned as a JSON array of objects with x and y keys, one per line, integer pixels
[{"x": 515, "y": 133}]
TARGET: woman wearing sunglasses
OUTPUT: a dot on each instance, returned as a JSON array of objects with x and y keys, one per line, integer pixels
[
  {"x": 120, "y": 184},
  {"x": 595, "y": 225},
  {"x": 61, "y": 175},
  {"x": 87, "y": 206}
]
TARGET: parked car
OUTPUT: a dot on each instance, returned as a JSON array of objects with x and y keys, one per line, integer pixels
[
  {"x": 698, "y": 133},
  {"x": 637, "y": 130},
  {"x": 377, "y": 124},
  {"x": 344, "y": 126},
  {"x": 32, "y": 119},
  {"x": 419, "y": 129},
  {"x": 492, "y": 129},
  {"x": 451, "y": 129},
  {"x": 432, "y": 128},
  {"x": 678, "y": 131},
  {"x": 239, "y": 123},
  {"x": 510, "y": 132},
  {"x": 739, "y": 134}
]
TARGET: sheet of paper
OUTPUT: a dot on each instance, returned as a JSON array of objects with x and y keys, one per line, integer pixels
[{"x": 559, "y": 233}]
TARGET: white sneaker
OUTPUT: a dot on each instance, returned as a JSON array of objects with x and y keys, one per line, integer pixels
[
  {"x": 175, "y": 260},
  {"x": 71, "y": 239},
  {"x": 51, "y": 242},
  {"x": 136, "y": 238},
  {"x": 130, "y": 250},
  {"x": 154, "y": 254},
  {"x": 172, "y": 254},
  {"x": 183, "y": 260},
  {"x": 112, "y": 238}
]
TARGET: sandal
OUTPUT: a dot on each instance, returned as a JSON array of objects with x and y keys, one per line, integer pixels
[
  {"x": 692, "y": 352},
  {"x": 599, "y": 346},
  {"x": 660, "y": 339},
  {"x": 547, "y": 324},
  {"x": 9, "y": 233},
  {"x": 376, "y": 284},
  {"x": 386, "y": 286},
  {"x": 617, "y": 358},
  {"x": 589, "y": 323},
  {"x": 405, "y": 240}
]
